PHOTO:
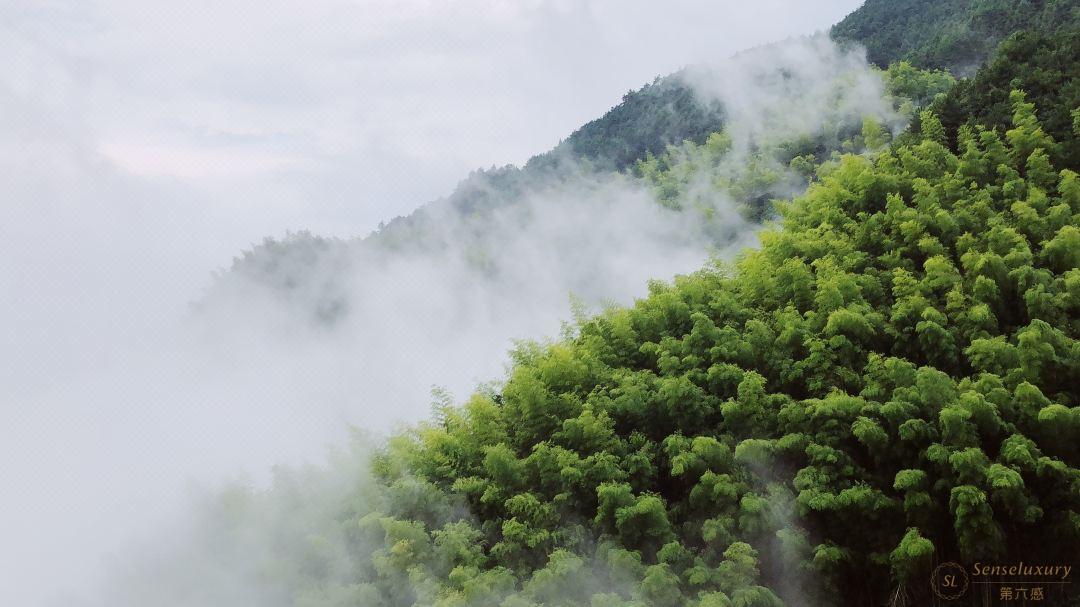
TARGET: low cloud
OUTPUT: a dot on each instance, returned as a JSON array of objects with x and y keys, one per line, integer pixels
[{"x": 115, "y": 392}]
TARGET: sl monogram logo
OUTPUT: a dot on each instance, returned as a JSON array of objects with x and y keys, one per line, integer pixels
[{"x": 950, "y": 581}]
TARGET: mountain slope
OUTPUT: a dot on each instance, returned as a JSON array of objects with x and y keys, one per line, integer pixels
[
  {"x": 671, "y": 110},
  {"x": 796, "y": 102},
  {"x": 954, "y": 34},
  {"x": 885, "y": 385},
  {"x": 646, "y": 121},
  {"x": 1047, "y": 68}
]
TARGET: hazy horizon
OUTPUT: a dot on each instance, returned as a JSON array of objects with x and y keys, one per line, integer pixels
[{"x": 145, "y": 147}]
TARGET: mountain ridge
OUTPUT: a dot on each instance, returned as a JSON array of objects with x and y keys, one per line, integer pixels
[{"x": 879, "y": 387}]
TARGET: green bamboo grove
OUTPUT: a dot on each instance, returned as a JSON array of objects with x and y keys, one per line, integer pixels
[{"x": 888, "y": 382}]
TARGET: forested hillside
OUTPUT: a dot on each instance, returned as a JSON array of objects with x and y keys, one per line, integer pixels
[
  {"x": 666, "y": 112},
  {"x": 811, "y": 100},
  {"x": 1047, "y": 67},
  {"x": 954, "y": 34},
  {"x": 888, "y": 382}
]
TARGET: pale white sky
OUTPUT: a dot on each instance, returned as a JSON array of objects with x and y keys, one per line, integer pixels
[
  {"x": 143, "y": 144},
  {"x": 333, "y": 115}
]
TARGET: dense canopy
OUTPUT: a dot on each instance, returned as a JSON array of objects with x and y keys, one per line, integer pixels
[
  {"x": 1047, "y": 67},
  {"x": 955, "y": 34},
  {"x": 887, "y": 383}
]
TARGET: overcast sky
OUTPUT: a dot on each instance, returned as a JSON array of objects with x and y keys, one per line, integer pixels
[
  {"x": 336, "y": 115},
  {"x": 143, "y": 144}
]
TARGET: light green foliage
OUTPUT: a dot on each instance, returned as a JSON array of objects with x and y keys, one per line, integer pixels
[
  {"x": 776, "y": 162},
  {"x": 906, "y": 81},
  {"x": 954, "y": 34},
  {"x": 911, "y": 557},
  {"x": 906, "y": 385},
  {"x": 888, "y": 382}
]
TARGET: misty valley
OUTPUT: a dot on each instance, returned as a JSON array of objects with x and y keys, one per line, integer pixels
[{"x": 795, "y": 326}]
